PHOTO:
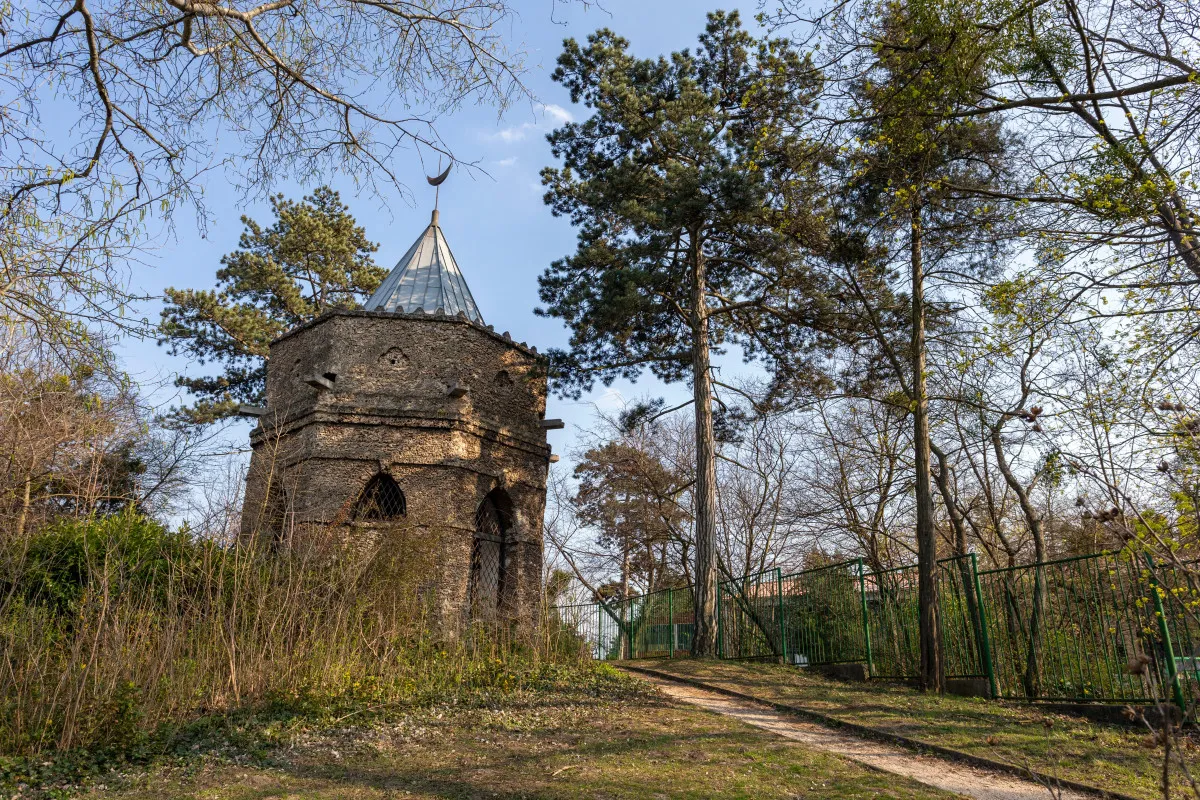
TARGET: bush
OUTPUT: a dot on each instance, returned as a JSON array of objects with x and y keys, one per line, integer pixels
[{"x": 66, "y": 561}]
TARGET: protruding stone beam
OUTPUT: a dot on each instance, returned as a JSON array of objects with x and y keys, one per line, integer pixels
[
  {"x": 319, "y": 381},
  {"x": 251, "y": 411},
  {"x": 457, "y": 390},
  {"x": 553, "y": 424}
]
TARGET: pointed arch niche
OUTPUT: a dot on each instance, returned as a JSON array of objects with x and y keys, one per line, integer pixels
[
  {"x": 278, "y": 518},
  {"x": 381, "y": 500}
]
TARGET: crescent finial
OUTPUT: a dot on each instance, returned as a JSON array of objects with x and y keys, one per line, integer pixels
[{"x": 440, "y": 178}]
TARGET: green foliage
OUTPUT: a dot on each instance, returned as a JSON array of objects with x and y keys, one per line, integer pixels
[
  {"x": 914, "y": 153},
  {"x": 695, "y": 157},
  {"x": 1105, "y": 187},
  {"x": 918, "y": 178},
  {"x": 62, "y": 564},
  {"x": 314, "y": 258}
]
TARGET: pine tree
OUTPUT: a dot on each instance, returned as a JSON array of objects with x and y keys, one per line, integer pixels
[
  {"x": 693, "y": 186},
  {"x": 314, "y": 258}
]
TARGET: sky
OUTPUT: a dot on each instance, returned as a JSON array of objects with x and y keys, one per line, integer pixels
[{"x": 502, "y": 234}]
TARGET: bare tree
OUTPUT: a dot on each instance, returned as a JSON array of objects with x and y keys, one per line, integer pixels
[
  {"x": 112, "y": 110},
  {"x": 75, "y": 442},
  {"x": 857, "y": 485}
]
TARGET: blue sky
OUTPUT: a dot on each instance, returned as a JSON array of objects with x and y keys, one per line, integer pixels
[{"x": 502, "y": 234}]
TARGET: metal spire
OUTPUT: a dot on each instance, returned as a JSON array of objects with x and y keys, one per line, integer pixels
[{"x": 427, "y": 277}]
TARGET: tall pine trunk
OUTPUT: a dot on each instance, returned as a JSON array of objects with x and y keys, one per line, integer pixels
[
  {"x": 704, "y": 642},
  {"x": 932, "y": 672}
]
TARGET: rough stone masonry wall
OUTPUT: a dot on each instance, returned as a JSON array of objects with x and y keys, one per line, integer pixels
[{"x": 391, "y": 407}]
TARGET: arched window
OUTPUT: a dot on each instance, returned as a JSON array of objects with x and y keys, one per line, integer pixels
[
  {"x": 381, "y": 499},
  {"x": 490, "y": 580}
]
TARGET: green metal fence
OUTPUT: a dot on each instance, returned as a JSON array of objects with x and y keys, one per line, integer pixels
[
  {"x": 1109, "y": 627},
  {"x": 1075, "y": 629},
  {"x": 823, "y": 615},
  {"x": 893, "y": 622},
  {"x": 656, "y": 625},
  {"x": 748, "y": 616}
]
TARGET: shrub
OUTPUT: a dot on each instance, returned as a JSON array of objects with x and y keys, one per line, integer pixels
[{"x": 61, "y": 564}]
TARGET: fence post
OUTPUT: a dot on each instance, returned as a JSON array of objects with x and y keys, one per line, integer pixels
[
  {"x": 720, "y": 623},
  {"x": 623, "y": 632},
  {"x": 1165, "y": 631},
  {"x": 600, "y": 633},
  {"x": 637, "y": 632},
  {"x": 634, "y": 632},
  {"x": 671, "y": 621},
  {"x": 782, "y": 626},
  {"x": 985, "y": 643},
  {"x": 862, "y": 598}
]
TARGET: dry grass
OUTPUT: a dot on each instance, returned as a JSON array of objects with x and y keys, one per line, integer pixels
[{"x": 218, "y": 628}]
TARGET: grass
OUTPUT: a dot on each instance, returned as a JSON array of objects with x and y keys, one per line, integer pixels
[
  {"x": 589, "y": 732},
  {"x": 1119, "y": 758},
  {"x": 114, "y": 627}
]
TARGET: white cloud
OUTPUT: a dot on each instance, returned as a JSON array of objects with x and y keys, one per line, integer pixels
[
  {"x": 557, "y": 115},
  {"x": 611, "y": 400},
  {"x": 514, "y": 134},
  {"x": 550, "y": 116},
  {"x": 507, "y": 162}
]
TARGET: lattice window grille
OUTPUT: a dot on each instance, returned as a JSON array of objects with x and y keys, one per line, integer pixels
[
  {"x": 381, "y": 499},
  {"x": 488, "y": 555}
]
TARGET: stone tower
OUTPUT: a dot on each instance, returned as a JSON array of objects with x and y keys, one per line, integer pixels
[{"x": 411, "y": 418}]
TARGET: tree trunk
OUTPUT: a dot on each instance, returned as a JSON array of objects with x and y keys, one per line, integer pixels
[
  {"x": 946, "y": 489},
  {"x": 704, "y": 643},
  {"x": 25, "y": 503},
  {"x": 932, "y": 672},
  {"x": 1033, "y": 657}
]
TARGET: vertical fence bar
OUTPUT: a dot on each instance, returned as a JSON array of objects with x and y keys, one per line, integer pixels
[
  {"x": 631, "y": 630},
  {"x": 671, "y": 621},
  {"x": 637, "y": 629},
  {"x": 1165, "y": 631},
  {"x": 985, "y": 644},
  {"x": 782, "y": 625},
  {"x": 1183, "y": 591},
  {"x": 635, "y": 632},
  {"x": 642, "y": 622},
  {"x": 866, "y": 626}
]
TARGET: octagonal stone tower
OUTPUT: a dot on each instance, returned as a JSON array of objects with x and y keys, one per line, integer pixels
[{"x": 411, "y": 419}]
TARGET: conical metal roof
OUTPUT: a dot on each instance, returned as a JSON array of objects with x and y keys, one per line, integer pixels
[{"x": 426, "y": 279}]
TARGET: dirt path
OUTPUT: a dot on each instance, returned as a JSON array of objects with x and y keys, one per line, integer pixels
[{"x": 931, "y": 771}]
